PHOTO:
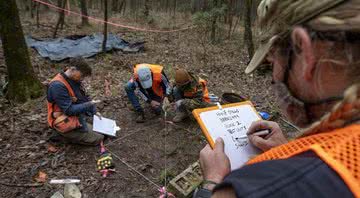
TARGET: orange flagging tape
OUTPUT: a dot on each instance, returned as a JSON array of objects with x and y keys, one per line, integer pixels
[{"x": 111, "y": 23}]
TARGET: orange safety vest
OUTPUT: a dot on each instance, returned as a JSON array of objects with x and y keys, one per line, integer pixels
[
  {"x": 156, "y": 71},
  {"x": 340, "y": 149},
  {"x": 191, "y": 93},
  {"x": 56, "y": 117}
]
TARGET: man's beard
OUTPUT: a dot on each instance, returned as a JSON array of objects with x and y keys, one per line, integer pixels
[{"x": 294, "y": 109}]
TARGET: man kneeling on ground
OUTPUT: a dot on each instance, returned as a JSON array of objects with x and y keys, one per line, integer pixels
[
  {"x": 68, "y": 105},
  {"x": 154, "y": 88},
  {"x": 190, "y": 93}
]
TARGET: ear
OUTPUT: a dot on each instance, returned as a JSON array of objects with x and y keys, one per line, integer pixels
[{"x": 304, "y": 51}]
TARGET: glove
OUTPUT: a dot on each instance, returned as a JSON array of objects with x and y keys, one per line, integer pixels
[{"x": 166, "y": 105}]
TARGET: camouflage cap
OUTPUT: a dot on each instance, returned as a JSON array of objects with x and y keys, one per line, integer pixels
[{"x": 277, "y": 17}]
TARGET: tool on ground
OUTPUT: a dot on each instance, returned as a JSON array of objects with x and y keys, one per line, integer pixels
[{"x": 64, "y": 181}]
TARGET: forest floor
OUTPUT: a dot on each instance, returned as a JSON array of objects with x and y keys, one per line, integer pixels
[{"x": 24, "y": 146}]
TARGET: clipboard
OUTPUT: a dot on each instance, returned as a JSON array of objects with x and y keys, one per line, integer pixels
[
  {"x": 196, "y": 113},
  {"x": 229, "y": 122}
]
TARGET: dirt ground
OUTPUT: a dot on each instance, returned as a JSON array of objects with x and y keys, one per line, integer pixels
[{"x": 145, "y": 147}]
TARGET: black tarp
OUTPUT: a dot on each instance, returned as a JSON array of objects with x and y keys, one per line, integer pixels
[{"x": 80, "y": 46}]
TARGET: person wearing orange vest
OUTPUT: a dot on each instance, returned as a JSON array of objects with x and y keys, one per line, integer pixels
[
  {"x": 314, "y": 48},
  {"x": 189, "y": 93},
  {"x": 153, "y": 86},
  {"x": 68, "y": 105}
]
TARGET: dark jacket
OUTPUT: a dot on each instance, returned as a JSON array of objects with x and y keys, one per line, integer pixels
[
  {"x": 304, "y": 175},
  {"x": 58, "y": 93}
]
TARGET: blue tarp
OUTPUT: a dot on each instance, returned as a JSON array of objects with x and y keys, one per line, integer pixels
[{"x": 80, "y": 46}]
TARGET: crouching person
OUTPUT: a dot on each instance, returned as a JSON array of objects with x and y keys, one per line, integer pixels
[
  {"x": 190, "y": 93},
  {"x": 153, "y": 86},
  {"x": 68, "y": 105}
]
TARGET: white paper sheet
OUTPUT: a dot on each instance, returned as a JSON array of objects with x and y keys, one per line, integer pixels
[
  {"x": 105, "y": 126},
  {"x": 231, "y": 124}
]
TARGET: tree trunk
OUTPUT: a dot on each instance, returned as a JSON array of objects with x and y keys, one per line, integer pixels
[
  {"x": 37, "y": 14},
  {"x": 230, "y": 17},
  {"x": 105, "y": 25},
  {"x": 213, "y": 24},
  {"x": 84, "y": 11},
  {"x": 120, "y": 8},
  {"x": 146, "y": 8},
  {"x": 248, "y": 32},
  {"x": 31, "y": 8},
  {"x": 61, "y": 20},
  {"x": 114, "y": 5},
  {"x": 23, "y": 83},
  {"x": 175, "y": 5}
]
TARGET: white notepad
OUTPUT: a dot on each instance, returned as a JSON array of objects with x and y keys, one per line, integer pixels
[
  {"x": 231, "y": 123},
  {"x": 105, "y": 126}
]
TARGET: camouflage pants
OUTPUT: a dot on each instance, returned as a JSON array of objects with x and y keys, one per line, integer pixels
[
  {"x": 191, "y": 104},
  {"x": 89, "y": 138}
]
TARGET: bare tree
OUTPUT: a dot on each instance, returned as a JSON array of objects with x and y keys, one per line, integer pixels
[
  {"x": 105, "y": 25},
  {"x": 23, "y": 83},
  {"x": 61, "y": 20},
  {"x": 248, "y": 32},
  {"x": 213, "y": 23},
  {"x": 146, "y": 8},
  {"x": 37, "y": 14},
  {"x": 84, "y": 11}
]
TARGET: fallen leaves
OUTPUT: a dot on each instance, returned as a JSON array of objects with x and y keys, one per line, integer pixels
[
  {"x": 52, "y": 149},
  {"x": 41, "y": 177}
]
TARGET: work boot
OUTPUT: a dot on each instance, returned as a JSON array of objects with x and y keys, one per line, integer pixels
[
  {"x": 55, "y": 137},
  {"x": 141, "y": 117}
]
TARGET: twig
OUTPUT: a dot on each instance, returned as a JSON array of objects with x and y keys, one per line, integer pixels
[{"x": 22, "y": 185}]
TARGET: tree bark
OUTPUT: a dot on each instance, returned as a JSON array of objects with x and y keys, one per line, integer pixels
[
  {"x": 114, "y": 5},
  {"x": 37, "y": 14},
  {"x": 105, "y": 25},
  {"x": 122, "y": 4},
  {"x": 248, "y": 32},
  {"x": 23, "y": 83},
  {"x": 84, "y": 11},
  {"x": 31, "y": 8},
  {"x": 146, "y": 8},
  {"x": 213, "y": 24},
  {"x": 61, "y": 20}
]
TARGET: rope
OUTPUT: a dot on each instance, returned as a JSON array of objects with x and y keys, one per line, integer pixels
[
  {"x": 133, "y": 169},
  {"x": 165, "y": 125},
  {"x": 111, "y": 23}
]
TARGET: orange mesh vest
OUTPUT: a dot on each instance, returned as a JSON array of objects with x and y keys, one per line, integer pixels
[
  {"x": 56, "y": 118},
  {"x": 191, "y": 93},
  {"x": 340, "y": 149},
  {"x": 156, "y": 77}
]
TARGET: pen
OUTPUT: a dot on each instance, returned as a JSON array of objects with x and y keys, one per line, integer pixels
[{"x": 258, "y": 133}]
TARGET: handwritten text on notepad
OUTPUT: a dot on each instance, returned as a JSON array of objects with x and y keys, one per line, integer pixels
[
  {"x": 232, "y": 124},
  {"x": 230, "y": 120}
]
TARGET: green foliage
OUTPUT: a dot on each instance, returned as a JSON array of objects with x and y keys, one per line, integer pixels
[
  {"x": 183, "y": 7},
  {"x": 208, "y": 19}
]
